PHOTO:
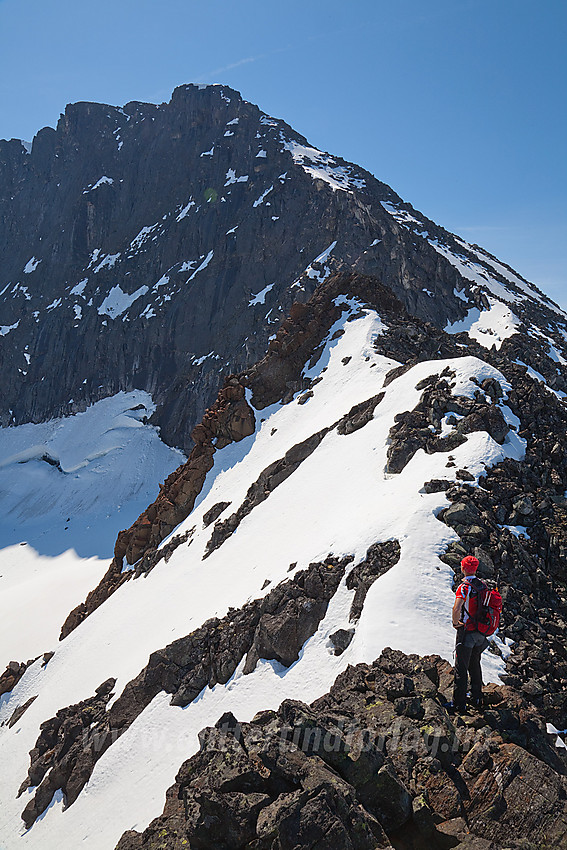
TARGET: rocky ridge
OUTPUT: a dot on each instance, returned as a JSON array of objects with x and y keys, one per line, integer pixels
[
  {"x": 541, "y": 478},
  {"x": 168, "y": 307},
  {"x": 376, "y": 763},
  {"x": 530, "y": 571},
  {"x": 276, "y": 377},
  {"x": 275, "y": 626}
]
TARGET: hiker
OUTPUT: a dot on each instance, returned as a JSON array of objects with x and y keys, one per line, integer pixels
[{"x": 471, "y": 642}]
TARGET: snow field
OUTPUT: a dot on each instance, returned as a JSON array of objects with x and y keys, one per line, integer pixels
[
  {"x": 489, "y": 327},
  {"x": 340, "y": 500},
  {"x": 101, "y": 472}
]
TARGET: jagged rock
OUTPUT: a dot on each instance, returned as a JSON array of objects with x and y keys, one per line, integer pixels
[
  {"x": 393, "y": 804},
  {"x": 12, "y": 675},
  {"x": 359, "y": 415},
  {"x": 379, "y": 559},
  {"x": 460, "y": 513},
  {"x": 20, "y": 711},
  {"x": 64, "y": 752},
  {"x": 341, "y": 639},
  {"x": 274, "y": 626},
  {"x": 436, "y": 485},
  {"x": 282, "y": 635},
  {"x": 344, "y": 772},
  {"x": 211, "y": 515},
  {"x": 419, "y": 428}
]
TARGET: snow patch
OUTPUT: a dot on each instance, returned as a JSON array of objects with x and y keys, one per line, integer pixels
[
  {"x": 109, "y": 261},
  {"x": 142, "y": 236},
  {"x": 262, "y": 196},
  {"x": 79, "y": 287},
  {"x": 232, "y": 178},
  {"x": 260, "y": 297},
  {"x": 488, "y": 327},
  {"x": 104, "y": 179},
  {"x": 117, "y": 301},
  {"x": 5, "y": 329},
  {"x": 322, "y": 166},
  {"x": 31, "y": 265},
  {"x": 163, "y": 281},
  {"x": 203, "y": 265},
  {"x": 477, "y": 274},
  {"x": 186, "y": 208}
]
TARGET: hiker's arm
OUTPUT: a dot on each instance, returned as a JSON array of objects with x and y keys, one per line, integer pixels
[{"x": 457, "y": 608}]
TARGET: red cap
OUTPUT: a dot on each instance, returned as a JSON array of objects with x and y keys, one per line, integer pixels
[{"x": 469, "y": 565}]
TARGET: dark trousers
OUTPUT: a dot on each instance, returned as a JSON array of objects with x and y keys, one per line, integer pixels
[{"x": 468, "y": 649}]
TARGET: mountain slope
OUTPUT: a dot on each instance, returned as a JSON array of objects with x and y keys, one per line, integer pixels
[
  {"x": 247, "y": 635},
  {"x": 410, "y": 409},
  {"x": 165, "y": 247}
]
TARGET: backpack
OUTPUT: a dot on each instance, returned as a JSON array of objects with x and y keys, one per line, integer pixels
[{"x": 483, "y": 607}]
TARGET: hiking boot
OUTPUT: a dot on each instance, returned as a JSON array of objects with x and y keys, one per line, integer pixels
[{"x": 477, "y": 703}]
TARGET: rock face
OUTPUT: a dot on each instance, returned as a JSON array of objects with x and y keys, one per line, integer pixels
[
  {"x": 164, "y": 247},
  {"x": 376, "y": 763}
]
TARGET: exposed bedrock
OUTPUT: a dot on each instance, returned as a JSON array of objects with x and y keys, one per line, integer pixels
[
  {"x": 165, "y": 244},
  {"x": 230, "y": 419},
  {"x": 375, "y": 763},
  {"x": 274, "y": 626}
]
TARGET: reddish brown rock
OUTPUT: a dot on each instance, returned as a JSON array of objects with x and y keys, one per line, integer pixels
[{"x": 229, "y": 420}]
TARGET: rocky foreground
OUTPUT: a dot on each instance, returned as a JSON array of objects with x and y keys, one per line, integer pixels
[{"x": 375, "y": 763}]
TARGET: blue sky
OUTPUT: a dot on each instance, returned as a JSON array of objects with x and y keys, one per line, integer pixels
[{"x": 460, "y": 105}]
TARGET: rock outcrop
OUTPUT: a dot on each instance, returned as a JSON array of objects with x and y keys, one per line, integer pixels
[
  {"x": 229, "y": 419},
  {"x": 273, "y": 627},
  {"x": 376, "y": 763},
  {"x": 12, "y": 675},
  {"x": 527, "y": 493},
  {"x": 276, "y": 377}
]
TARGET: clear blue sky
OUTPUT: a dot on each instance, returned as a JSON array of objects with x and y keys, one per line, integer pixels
[{"x": 460, "y": 105}]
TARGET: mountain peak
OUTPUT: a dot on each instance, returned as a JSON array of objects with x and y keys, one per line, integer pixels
[{"x": 357, "y": 400}]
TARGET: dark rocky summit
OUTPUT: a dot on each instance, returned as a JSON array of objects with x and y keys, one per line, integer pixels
[
  {"x": 376, "y": 763},
  {"x": 164, "y": 248}
]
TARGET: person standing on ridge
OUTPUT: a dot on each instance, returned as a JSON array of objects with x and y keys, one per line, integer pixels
[{"x": 470, "y": 643}]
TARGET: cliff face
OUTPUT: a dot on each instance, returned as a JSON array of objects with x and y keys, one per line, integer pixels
[{"x": 155, "y": 247}]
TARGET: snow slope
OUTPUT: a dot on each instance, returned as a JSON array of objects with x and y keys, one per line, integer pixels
[
  {"x": 66, "y": 488},
  {"x": 339, "y": 501}
]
